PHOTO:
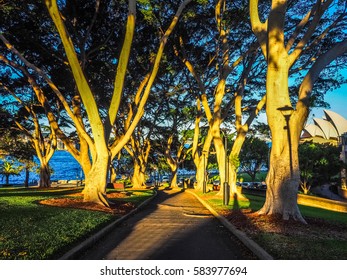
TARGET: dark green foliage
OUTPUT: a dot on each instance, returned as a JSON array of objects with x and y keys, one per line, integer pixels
[
  {"x": 319, "y": 163},
  {"x": 254, "y": 156}
]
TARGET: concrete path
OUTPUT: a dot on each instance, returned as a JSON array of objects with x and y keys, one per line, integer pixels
[{"x": 174, "y": 226}]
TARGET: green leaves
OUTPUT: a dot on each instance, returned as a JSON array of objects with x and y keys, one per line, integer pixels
[{"x": 318, "y": 162}]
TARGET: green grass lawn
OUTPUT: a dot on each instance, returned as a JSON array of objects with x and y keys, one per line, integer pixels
[{"x": 29, "y": 230}]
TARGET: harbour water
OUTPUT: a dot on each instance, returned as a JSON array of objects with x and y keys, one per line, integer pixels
[{"x": 64, "y": 166}]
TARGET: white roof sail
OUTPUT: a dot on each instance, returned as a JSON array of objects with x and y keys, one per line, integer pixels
[
  {"x": 339, "y": 122},
  {"x": 313, "y": 131},
  {"x": 327, "y": 128}
]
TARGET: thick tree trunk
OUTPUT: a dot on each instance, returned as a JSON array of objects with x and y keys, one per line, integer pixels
[
  {"x": 173, "y": 183},
  {"x": 174, "y": 168},
  {"x": 45, "y": 175},
  {"x": 202, "y": 162},
  {"x": 138, "y": 179},
  {"x": 201, "y": 173},
  {"x": 231, "y": 175},
  {"x": 95, "y": 182},
  {"x": 283, "y": 178},
  {"x": 283, "y": 181}
]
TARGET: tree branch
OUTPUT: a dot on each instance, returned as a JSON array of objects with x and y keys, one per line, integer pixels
[
  {"x": 122, "y": 67},
  {"x": 140, "y": 110},
  {"x": 259, "y": 28},
  {"x": 319, "y": 11}
]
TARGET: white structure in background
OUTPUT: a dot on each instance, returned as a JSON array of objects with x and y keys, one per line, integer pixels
[
  {"x": 328, "y": 129},
  {"x": 331, "y": 129}
]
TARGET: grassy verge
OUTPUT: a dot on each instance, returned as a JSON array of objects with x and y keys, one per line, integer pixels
[
  {"x": 29, "y": 230},
  {"x": 324, "y": 237}
]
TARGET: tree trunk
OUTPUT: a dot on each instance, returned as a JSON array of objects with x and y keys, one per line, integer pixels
[
  {"x": 173, "y": 183},
  {"x": 283, "y": 178},
  {"x": 95, "y": 182},
  {"x": 138, "y": 179},
  {"x": 113, "y": 174},
  {"x": 45, "y": 175},
  {"x": 202, "y": 162},
  {"x": 26, "y": 180},
  {"x": 7, "y": 179},
  {"x": 283, "y": 181},
  {"x": 173, "y": 164},
  {"x": 201, "y": 172},
  {"x": 232, "y": 167},
  {"x": 220, "y": 153}
]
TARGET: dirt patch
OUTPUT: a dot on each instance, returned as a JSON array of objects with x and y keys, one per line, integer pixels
[
  {"x": 118, "y": 206},
  {"x": 253, "y": 224}
]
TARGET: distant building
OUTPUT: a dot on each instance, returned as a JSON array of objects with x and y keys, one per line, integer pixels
[{"x": 325, "y": 130}]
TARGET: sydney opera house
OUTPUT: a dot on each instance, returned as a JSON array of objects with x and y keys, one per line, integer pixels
[{"x": 328, "y": 129}]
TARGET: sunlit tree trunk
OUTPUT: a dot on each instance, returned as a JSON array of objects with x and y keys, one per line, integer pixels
[
  {"x": 113, "y": 174},
  {"x": 233, "y": 163},
  {"x": 173, "y": 182},
  {"x": 283, "y": 178},
  {"x": 96, "y": 179},
  {"x": 138, "y": 179},
  {"x": 200, "y": 172},
  {"x": 173, "y": 164},
  {"x": 202, "y": 162}
]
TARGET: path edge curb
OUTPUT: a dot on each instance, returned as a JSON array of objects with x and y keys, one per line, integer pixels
[
  {"x": 95, "y": 237},
  {"x": 248, "y": 242}
]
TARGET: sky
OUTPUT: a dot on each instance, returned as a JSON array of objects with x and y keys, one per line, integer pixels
[{"x": 338, "y": 103}]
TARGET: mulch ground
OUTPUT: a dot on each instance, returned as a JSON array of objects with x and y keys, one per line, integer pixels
[
  {"x": 75, "y": 201},
  {"x": 253, "y": 224}
]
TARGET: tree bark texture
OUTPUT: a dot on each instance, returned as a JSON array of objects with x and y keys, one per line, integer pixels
[
  {"x": 283, "y": 178},
  {"x": 45, "y": 175},
  {"x": 138, "y": 178},
  {"x": 95, "y": 181}
]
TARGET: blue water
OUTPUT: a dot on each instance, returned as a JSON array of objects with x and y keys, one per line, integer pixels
[{"x": 65, "y": 167}]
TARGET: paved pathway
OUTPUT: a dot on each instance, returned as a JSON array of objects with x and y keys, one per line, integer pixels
[{"x": 175, "y": 225}]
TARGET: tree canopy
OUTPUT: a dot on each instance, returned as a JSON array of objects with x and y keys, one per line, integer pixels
[{"x": 139, "y": 75}]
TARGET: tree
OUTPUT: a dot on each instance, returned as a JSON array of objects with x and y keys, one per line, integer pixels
[
  {"x": 14, "y": 145},
  {"x": 254, "y": 156},
  {"x": 27, "y": 120},
  {"x": 9, "y": 168},
  {"x": 308, "y": 43},
  {"x": 319, "y": 162},
  {"x": 94, "y": 123},
  {"x": 222, "y": 76}
]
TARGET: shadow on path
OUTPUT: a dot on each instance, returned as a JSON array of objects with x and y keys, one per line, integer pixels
[{"x": 174, "y": 226}]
